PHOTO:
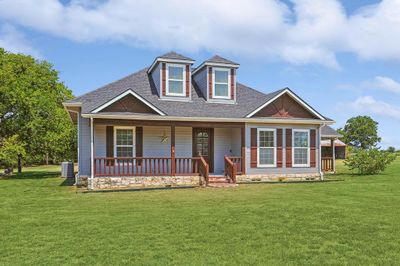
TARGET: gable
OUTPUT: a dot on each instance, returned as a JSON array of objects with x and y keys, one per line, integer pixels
[
  {"x": 285, "y": 107},
  {"x": 129, "y": 103}
]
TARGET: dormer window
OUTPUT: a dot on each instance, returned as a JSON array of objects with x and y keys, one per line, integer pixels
[
  {"x": 221, "y": 83},
  {"x": 176, "y": 80}
]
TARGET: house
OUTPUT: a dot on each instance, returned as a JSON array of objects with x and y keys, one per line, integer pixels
[{"x": 173, "y": 124}]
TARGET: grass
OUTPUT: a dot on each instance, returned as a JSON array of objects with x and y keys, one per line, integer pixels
[{"x": 354, "y": 221}]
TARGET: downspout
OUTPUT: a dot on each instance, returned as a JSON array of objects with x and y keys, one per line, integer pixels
[
  {"x": 91, "y": 155},
  {"x": 321, "y": 174},
  {"x": 78, "y": 123}
]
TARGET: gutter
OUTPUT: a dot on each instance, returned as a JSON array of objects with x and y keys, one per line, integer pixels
[{"x": 208, "y": 119}]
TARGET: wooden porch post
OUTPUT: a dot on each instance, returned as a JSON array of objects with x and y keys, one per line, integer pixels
[
  {"x": 333, "y": 154},
  {"x": 91, "y": 154},
  {"x": 243, "y": 148},
  {"x": 173, "y": 162}
]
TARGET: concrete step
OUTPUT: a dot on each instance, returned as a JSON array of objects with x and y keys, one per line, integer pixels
[{"x": 221, "y": 185}]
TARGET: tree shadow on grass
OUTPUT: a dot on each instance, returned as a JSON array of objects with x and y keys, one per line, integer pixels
[{"x": 33, "y": 175}]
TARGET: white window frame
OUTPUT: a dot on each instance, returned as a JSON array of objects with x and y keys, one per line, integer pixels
[
  {"x": 308, "y": 148},
  {"x": 258, "y": 147},
  {"x": 214, "y": 82},
  {"x": 168, "y": 93},
  {"x": 133, "y": 141}
]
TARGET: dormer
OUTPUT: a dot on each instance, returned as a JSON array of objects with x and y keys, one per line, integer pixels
[
  {"x": 216, "y": 78},
  {"x": 172, "y": 76}
]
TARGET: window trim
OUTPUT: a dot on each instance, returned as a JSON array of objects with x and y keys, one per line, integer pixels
[
  {"x": 214, "y": 83},
  {"x": 308, "y": 148},
  {"x": 258, "y": 148},
  {"x": 167, "y": 92},
  {"x": 133, "y": 141}
]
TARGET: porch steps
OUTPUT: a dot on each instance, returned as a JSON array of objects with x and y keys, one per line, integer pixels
[{"x": 220, "y": 181}]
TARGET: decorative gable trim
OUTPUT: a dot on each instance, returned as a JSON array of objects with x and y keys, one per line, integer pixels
[
  {"x": 295, "y": 97},
  {"x": 164, "y": 60},
  {"x": 125, "y": 94}
]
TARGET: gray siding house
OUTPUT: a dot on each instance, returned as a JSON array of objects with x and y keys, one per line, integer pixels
[{"x": 173, "y": 124}]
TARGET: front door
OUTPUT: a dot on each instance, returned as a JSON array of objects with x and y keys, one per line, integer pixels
[{"x": 203, "y": 145}]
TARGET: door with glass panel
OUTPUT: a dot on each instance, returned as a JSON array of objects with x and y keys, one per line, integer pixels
[{"x": 203, "y": 145}]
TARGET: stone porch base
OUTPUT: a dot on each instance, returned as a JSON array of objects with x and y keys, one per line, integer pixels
[
  {"x": 278, "y": 178},
  {"x": 181, "y": 181},
  {"x": 145, "y": 181}
]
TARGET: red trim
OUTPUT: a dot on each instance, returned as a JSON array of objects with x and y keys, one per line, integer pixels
[
  {"x": 288, "y": 147},
  {"x": 279, "y": 147},
  {"x": 253, "y": 150},
  {"x": 210, "y": 88},
  {"x": 313, "y": 153},
  {"x": 164, "y": 79},
  {"x": 232, "y": 84}
]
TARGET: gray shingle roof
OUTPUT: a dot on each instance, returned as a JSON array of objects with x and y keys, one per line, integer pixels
[
  {"x": 220, "y": 60},
  {"x": 247, "y": 98},
  {"x": 328, "y": 131},
  {"x": 176, "y": 56}
]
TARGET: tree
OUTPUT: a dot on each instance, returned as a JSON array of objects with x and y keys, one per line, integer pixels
[
  {"x": 360, "y": 132},
  {"x": 369, "y": 161},
  {"x": 31, "y": 97},
  {"x": 391, "y": 149}
]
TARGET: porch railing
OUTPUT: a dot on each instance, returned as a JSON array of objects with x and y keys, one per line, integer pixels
[
  {"x": 145, "y": 166},
  {"x": 204, "y": 169},
  {"x": 238, "y": 161},
  {"x": 327, "y": 164},
  {"x": 230, "y": 169}
]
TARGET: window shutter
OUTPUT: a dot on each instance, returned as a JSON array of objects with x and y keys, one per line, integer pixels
[
  {"x": 187, "y": 80},
  {"x": 110, "y": 141},
  {"x": 279, "y": 147},
  {"x": 288, "y": 147},
  {"x": 253, "y": 150},
  {"x": 313, "y": 142},
  {"x": 163, "y": 79},
  {"x": 139, "y": 141},
  {"x": 232, "y": 84},
  {"x": 210, "y": 85}
]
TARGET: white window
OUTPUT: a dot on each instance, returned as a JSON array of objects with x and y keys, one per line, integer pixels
[
  {"x": 124, "y": 140},
  {"x": 175, "y": 80},
  {"x": 221, "y": 83},
  {"x": 266, "y": 151},
  {"x": 301, "y": 148}
]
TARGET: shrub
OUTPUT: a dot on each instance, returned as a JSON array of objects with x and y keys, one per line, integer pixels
[{"x": 369, "y": 161}]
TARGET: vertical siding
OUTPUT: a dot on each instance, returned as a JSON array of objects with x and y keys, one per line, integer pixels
[
  {"x": 155, "y": 74},
  {"x": 152, "y": 145},
  {"x": 201, "y": 80},
  {"x": 84, "y": 148},
  {"x": 183, "y": 142},
  {"x": 285, "y": 170}
]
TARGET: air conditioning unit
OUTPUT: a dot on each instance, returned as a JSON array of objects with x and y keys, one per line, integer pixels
[{"x": 67, "y": 169}]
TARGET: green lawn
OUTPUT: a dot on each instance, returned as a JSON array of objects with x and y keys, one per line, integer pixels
[{"x": 353, "y": 221}]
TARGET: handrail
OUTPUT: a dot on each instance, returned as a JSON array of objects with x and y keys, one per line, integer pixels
[
  {"x": 238, "y": 161},
  {"x": 230, "y": 169},
  {"x": 204, "y": 169}
]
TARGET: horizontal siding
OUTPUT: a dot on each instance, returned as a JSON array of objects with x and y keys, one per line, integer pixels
[
  {"x": 155, "y": 74},
  {"x": 152, "y": 145},
  {"x": 100, "y": 141},
  {"x": 201, "y": 80},
  {"x": 223, "y": 140},
  {"x": 283, "y": 170},
  {"x": 84, "y": 148},
  {"x": 183, "y": 142}
]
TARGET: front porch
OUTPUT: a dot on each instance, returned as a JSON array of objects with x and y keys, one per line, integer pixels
[{"x": 169, "y": 153}]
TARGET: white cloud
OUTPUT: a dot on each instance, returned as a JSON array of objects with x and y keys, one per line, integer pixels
[
  {"x": 382, "y": 83},
  {"x": 369, "y": 105},
  {"x": 311, "y": 32},
  {"x": 14, "y": 41}
]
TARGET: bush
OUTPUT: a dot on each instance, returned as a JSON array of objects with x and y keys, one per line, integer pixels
[{"x": 369, "y": 161}]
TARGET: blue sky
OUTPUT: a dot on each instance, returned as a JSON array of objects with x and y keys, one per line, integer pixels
[{"x": 341, "y": 57}]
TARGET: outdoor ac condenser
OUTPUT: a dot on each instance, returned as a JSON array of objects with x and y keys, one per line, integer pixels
[{"x": 67, "y": 169}]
